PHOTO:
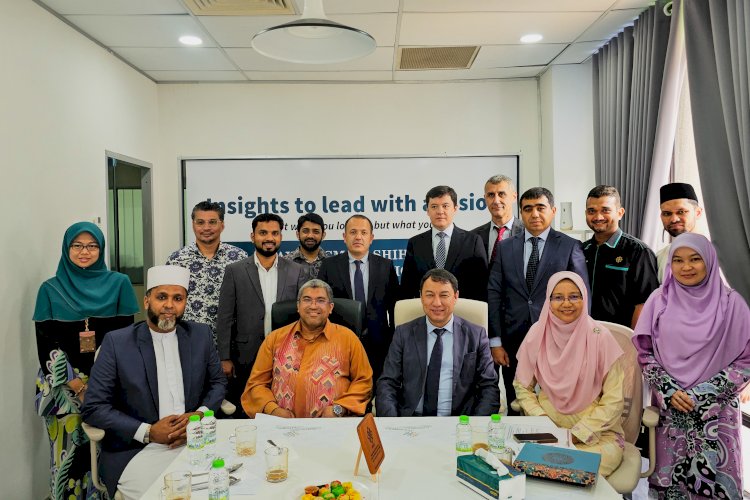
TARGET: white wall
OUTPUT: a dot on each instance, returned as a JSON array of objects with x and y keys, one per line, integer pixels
[
  {"x": 568, "y": 136},
  {"x": 225, "y": 120},
  {"x": 63, "y": 102}
]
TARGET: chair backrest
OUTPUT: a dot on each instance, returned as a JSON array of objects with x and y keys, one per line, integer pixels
[
  {"x": 468, "y": 309},
  {"x": 632, "y": 386},
  {"x": 346, "y": 312}
]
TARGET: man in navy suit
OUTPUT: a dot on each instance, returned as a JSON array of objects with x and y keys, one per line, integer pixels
[
  {"x": 519, "y": 275},
  {"x": 445, "y": 246},
  {"x": 438, "y": 364},
  {"x": 500, "y": 196},
  {"x": 148, "y": 379},
  {"x": 375, "y": 285}
]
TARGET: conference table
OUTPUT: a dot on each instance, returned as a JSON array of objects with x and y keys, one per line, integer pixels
[{"x": 420, "y": 459}]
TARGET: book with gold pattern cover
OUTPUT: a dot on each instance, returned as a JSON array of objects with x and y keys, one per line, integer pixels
[{"x": 558, "y": 464}]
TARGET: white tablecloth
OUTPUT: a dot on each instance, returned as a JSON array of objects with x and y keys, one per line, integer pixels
[{"x": 420, "y": 459}]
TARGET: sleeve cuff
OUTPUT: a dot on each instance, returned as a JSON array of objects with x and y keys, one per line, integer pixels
[
  {"x": 140, "y": 433},
  {"x": 495, "y": 342},
  {"x": 270, "y": 407},
  {"x": 584, "y": 434}
]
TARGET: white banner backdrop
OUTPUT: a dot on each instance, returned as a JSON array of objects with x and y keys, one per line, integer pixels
[{"x": 389, "y": 191}]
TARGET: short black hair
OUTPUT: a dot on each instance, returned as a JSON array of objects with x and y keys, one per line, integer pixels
[
  {"x": 439, "y": 192},
  {"x": 311, "y": 217},
  {"x": 268, "y": 218},
  {"x": 441, "y": 276},
  {"x": 537, "y": 192},
  {"x": 603, "y": 190},
  {"x": 358, "y": 216},
  {"x": 208, "y": 206}
]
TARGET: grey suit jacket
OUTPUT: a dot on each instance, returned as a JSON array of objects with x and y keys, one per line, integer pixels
[
  {"x": 484, "y": 232},
  {"x": 124, "y": 391},
  {"x": 239, "y": 321},
  {"x": 475, "y": 389}
]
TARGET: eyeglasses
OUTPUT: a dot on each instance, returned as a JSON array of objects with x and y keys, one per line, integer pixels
[
  {"x": 573, "y": 298},
  {"x": 308, "y": 301},
  {"x": 78, "y": 247}
]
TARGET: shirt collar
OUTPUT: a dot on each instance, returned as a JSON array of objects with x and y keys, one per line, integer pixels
[
  {"x": 194, "y": 248},
  {"x": 614, "y": 239},
  {"x": 543, "y": 236},
  {"x": 448, "y": 326},
  {"x": 158, "y": 336},
  {"x": 508, "y": 225},
  {"x": 363, "y": 259},
  {"x": 257, "y": 262},
  {"x": 448, "y": 230},
  {"x": 297, "y": 329}
]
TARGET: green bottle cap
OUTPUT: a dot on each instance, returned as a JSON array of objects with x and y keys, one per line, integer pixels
[
  {"x": 495, "y": 417},
  {"x": 218, "y": 463},
  {"x": 195, "y": 418},
  {"x": 463, "y": 419},
  {"x": 208, "y": 413}
]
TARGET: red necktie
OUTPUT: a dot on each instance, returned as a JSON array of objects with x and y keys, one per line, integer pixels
[{"x": 500, "y": 233}]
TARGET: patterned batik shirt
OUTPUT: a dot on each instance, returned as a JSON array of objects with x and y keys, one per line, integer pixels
[
  {"x": 311, "y": 268},
  {"x": 206, "y": 276}
]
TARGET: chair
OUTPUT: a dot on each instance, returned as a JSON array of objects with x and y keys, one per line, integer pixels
[
  {"x": 625, "y": 478},
  {"x": 346, "y": 312}
]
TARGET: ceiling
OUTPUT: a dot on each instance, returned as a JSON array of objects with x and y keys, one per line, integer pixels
[{"x": 145, "y": 33}]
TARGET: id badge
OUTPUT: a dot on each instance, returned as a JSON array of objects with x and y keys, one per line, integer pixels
[{"x": 87, "y": 341}]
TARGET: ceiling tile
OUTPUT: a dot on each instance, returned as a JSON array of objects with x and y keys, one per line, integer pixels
[
  {"x": 470, "y": 74},
  {"x": 355, "y": 6},
  {"x": 492, "y": 27},
  {"x": 633, "y": 4},
  {"x": 506, "y": 5},
  {"x": 504, "y": 56},
  {"x": 115, "y": 7},
  {"x": 176, "y": 59},
  {"x": 197, "y": 76},
  {"x": 322, "y": 76},
  {"x": 250, "y": 60},
  {"x": 140, "y": 31},
  {"x": 577, "y": 52},
  {"x": 610, "y": 24},
  {"x": 239, "y": 31}
]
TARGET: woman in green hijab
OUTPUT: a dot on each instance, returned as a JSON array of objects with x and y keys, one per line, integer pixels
[{"x": 74, "y": 310}]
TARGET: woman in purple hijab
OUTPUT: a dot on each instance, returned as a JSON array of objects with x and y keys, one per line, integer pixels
[{"x": 693, "y": 340}]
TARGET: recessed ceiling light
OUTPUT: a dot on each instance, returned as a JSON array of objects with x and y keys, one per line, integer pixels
[
  {"x": 190, "y": 40},
  {"x": 531, "y": 38}
]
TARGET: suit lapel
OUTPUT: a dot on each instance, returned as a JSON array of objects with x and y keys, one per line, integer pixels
[
  {"x": 282, "y": 275},
  {"x": 459, "y": 339},
  {"x": 146, "y": 347},
  {"x": 373, "y": 274},
  {"x": 252, "y": 273},
  {"x": 342, "y": 267},
  {"x": 423, "y": 246},
  {"x": 419, "y": 337},
  {"x": 456, "y": 243},
  {"x": 518, "y": 264},
  {"x": 550, "y": 250},
  {"x": 184, "y": 346}
]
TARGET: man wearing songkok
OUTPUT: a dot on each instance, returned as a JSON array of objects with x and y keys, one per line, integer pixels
[
  {"x": 680, "y": 212},
  {"x": 622, "y": 269},
  {"x": 501, "y": 197},
  {"x": 311, "y": 231},
  {"x": 311, "y": 368},
  {"x": 439, "y": 364},
  {"x": 206, "y": 258},
  {"x": 148, "y": 379}
]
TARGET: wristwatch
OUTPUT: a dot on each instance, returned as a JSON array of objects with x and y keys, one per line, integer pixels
[
  {"x": 147, "y": 435},
  {"x": 338, "y": 410}
]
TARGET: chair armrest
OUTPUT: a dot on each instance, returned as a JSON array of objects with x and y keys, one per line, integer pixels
[
  {"x": 650, "y": 416},
  {"x": 516, "y": 406},
  {"x": 228, "y": 408},
  {"x": 94, "y": 433}
]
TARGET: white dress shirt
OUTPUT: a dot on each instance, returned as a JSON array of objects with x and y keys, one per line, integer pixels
[
  {"x": 269, "y": 282},
  {"x": 436, "y": 239}
]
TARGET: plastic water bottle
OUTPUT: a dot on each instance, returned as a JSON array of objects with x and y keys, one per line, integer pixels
[
  {"x": 218, "y": 481},
  {"x": 195, "y": 440},
  {"x": 496, "y": 435},
  {"x": 463, "y": 436},
  {"x": 208, "y": 427}
]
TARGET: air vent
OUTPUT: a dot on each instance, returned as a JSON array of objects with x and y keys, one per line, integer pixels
[
  {"x": 241, "y": 7},
  {"x": 421, "y": 58}
]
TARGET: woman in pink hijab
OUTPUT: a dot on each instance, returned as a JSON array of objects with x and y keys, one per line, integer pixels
[
  {"x": 693, "y": 342},
  {"x": 574, "y": 360}
]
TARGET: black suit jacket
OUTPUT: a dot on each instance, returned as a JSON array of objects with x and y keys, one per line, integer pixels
[
  {"x": 382, "y": 291},
  {"x": 512, "y": 308},
  {"x": 466, "y": 259},
  {"x": 475, "y": 389},
  {"x": 484, "y": 232},
  {"x": 123, "y": 388}
]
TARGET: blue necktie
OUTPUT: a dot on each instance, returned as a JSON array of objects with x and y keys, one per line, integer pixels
[
  {"x": 440, "y": 253},
  {"x": 432, "y": 383},
  {"x": 359, "y": 283}
]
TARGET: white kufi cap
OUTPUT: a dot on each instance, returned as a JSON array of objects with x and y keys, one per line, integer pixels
[{"x": 168, "y": 275}]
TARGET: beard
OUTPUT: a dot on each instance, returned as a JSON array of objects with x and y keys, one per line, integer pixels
[
  {"x": 163, "y": 324},
  {"x": 676, "y": 232},
  {"x": 266, "y": 253},
  {"x": 310, "y": 247}
]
